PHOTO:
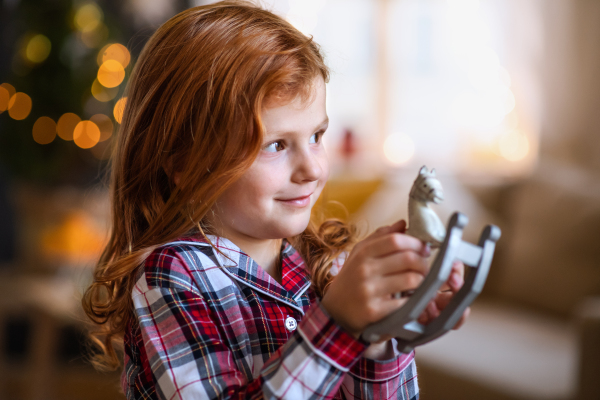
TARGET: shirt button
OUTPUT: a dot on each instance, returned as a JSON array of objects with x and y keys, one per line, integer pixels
[{"x": 290, "y": 324}]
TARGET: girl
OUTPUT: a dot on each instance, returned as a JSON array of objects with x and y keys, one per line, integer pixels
[{"x": 215, "y": 279}]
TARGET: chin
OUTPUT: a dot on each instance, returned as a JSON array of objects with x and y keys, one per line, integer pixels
[{"x": 294, "y": 228}]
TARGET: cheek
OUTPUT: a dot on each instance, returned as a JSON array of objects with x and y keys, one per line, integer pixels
[
  {"x": 256, "y": 188},
  {"x": 324, "y": 163}
]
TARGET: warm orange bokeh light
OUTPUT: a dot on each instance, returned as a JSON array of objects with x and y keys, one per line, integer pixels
[
  {"x": 103, "y": 94},
  {"x": 115, "y": 51},
  {"x": 77, "y": 239},
  {"x": 86, "y": 134},
  {"x": 66, "y": 125},
  {"x": 105, "y": 125},
  {"x": 4, "y": 99},
  {"x": 11, "y": 90},
  {"x": 119, "y": 109},
  {"x": 44, "y": 130},
  {"x": 111, "y": 73},
  {"x": 19, "y": 106}
]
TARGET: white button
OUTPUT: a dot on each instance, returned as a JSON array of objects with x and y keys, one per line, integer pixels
[{"x": 290, "y": 324}]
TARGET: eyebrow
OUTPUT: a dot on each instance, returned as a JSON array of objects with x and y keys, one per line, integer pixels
[
  {"x": 325, "y": 122},
  {"x": 319, "y": 126}
]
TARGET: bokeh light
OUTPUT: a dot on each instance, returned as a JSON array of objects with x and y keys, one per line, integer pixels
[
  {"x": 4, "y": 99},
  {"x": 398, "y": 148},
  {"x": 44, "y": 130},
  {"x": 66, "y": 125},
  {"x": 86, "y": 134},
  {"x": 88, "y": 17},
  {"x": 11, "y": 90},
  {"x": 105, "y": 125},
  {"x": 76, "y": 239},
  {"x": 115, "y": 51},
  {"x": 38, "y": 48},
  {"x": 513, "y": 145},
  {"x": 19, "y": 106},
  {"x": 102, "y": 93},
  {"x": 119, "y": 109},
  {"x": 95, "y": 37},
  {"x": 111, "y": 73}
]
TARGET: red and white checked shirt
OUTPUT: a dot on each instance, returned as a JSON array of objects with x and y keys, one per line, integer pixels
[{"x": 217, "y": 326}]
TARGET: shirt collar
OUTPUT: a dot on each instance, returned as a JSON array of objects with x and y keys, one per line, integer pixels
[{"x": 295, "y": 277}]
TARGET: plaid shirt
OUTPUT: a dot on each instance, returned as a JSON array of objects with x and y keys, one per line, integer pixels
[{"x": 212, "y": 325}]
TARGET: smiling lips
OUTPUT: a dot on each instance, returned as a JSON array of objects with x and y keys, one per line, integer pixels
[{"x": 297, "y": 201}]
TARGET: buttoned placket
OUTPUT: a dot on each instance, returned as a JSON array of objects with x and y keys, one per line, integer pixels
[{"x": 225, "y": 261}]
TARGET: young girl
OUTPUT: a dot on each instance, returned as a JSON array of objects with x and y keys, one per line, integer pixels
[{"x": 215, "y": 279}]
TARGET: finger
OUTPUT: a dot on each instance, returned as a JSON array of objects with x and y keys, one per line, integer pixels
[
  {"x": 398, "y": 227},
  {"x": 433, "y": 310},
  {"x": 459, "y": 268},
  {"x": 456, "y": 279},
  {"x": 392, "y": 243},
  {"x": 401, "y": 262},
  {"x": 443, "y": 299},
  {"x": 384, "y": 306},
  {"x": 430, "y": 313},
  {"x": 399, "y": 283}
]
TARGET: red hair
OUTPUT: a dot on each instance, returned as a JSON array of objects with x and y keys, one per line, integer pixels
[{"x": 194, "y": 103}]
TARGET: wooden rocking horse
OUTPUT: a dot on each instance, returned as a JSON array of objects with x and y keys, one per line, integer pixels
[{"x": 425, "y": 225}]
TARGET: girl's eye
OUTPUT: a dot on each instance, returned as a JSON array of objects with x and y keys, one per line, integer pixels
[
  {"x": 274, "y": 147},
  {"x": 315, "y": 138}
]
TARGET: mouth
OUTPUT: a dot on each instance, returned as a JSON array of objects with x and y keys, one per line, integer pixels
[
  {"x": 438, "y": 198},
  {"x": 301, "y": 201}
]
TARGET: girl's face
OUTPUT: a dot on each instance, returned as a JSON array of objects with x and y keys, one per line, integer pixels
[{"x": 273, "y": 199}]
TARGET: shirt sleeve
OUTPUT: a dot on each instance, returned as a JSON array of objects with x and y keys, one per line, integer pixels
[
  {"x": 380, "y": 379},
  {"x": 190, "y": 360}
]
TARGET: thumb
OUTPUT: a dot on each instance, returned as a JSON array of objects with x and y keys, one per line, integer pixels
[{"x": 397, "y": 227}]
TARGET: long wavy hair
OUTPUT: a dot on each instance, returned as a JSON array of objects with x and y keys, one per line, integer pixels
[{"x": 194, "y": 102}]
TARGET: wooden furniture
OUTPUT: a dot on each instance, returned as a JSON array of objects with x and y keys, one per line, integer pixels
[{"x": 49, "y": 304}]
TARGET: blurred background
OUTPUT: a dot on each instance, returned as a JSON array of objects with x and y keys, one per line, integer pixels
[{"x": 502, "y": 97}]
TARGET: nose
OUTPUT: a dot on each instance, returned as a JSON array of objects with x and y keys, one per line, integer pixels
[{"x": 308, "y": 166}]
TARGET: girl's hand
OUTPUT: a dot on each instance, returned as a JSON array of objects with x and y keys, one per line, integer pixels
[
  {"x": 442, "y": 299},
  {"x": 385, "y": 263},
  {"x": 383, "y": 349}
]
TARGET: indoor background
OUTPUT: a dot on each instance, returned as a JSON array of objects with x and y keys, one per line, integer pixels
[{"x": 501, "y": 97}]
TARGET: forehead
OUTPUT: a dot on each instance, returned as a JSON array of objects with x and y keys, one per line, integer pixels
[{"x": 298, "y": 113}]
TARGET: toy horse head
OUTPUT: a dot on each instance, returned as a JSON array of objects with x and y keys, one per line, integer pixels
[{"x": 426, "y": 187}]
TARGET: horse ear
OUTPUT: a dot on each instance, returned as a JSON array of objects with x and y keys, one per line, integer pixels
[
  {"x": 423, "y": 170},
  {"x": 432, "y": 172}
]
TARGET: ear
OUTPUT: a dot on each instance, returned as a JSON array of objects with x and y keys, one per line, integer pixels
[
  {"x": 432, "y": 172},
  {"x": 423, "y": 170}
]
